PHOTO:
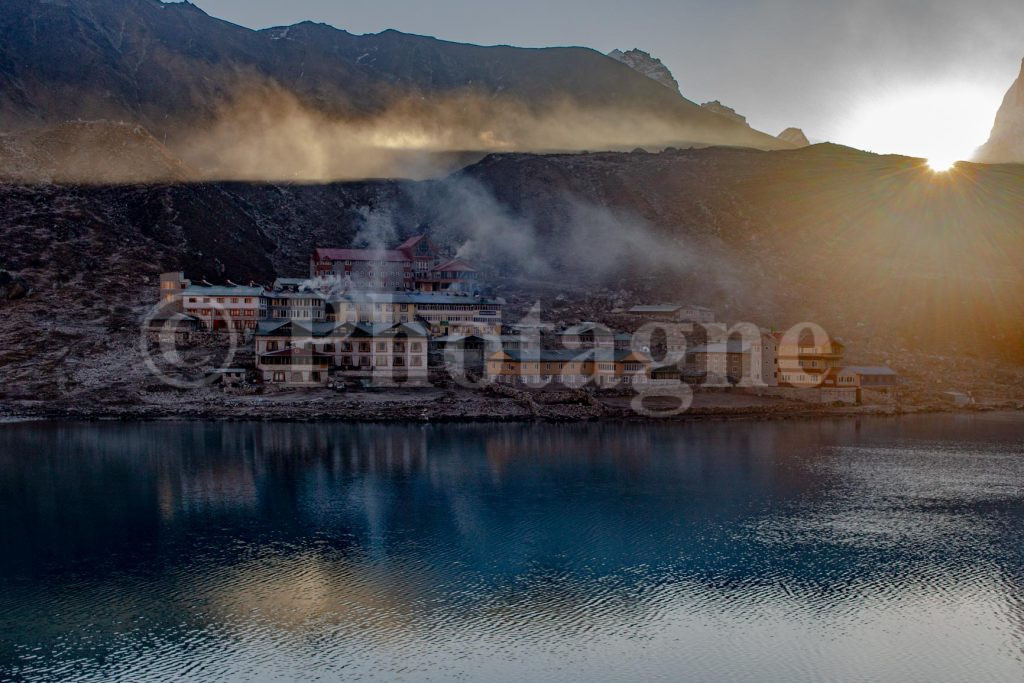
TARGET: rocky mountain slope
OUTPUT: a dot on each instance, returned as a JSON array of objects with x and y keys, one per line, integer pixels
[
  {"x": 897, "y": 260},
  {"x": 794, "y": 136},
  {"x": 649, "y": 66},
  {"x": 1006, "y": 143},
  {"x": 217, "y": 93},
  {"x": 725, "y": 112}
]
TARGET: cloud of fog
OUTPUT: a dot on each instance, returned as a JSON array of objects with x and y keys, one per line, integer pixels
[
  {"x": 566, "y": 239},
  {"x": 268, "y": 134}
]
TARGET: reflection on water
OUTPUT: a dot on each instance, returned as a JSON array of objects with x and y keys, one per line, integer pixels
[{"x": 853, "y": 550}]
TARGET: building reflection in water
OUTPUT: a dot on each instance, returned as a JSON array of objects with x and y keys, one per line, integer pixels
[{"x": 353, "y": 538}]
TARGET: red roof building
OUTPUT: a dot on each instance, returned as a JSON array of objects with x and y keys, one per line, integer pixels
[{"x": 417, "y": 264}]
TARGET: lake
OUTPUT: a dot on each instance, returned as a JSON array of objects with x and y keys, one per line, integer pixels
[{"x": 854, "y": 550}]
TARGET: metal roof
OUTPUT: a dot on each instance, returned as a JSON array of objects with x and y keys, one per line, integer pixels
[
  {"x": 732, "y": 346},
  {"x": 567, "y": 355},
  {"x": 273, "y": 328},
  {"x": 870, "y": 370},
  {"x": 361, "y": 254},
  {"x": 221, "y": 290}
]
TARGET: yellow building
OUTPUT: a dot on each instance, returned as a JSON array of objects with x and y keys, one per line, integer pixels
[
  {"x": 441, "y": 312},
  {"x": 363, "y": 350},
  {"x": 805, "y": 362},
  {"x": 572, "y": 368}
]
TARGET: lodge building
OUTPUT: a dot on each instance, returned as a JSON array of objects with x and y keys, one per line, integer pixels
[
  {"x": 295, "y": 352},
  {"x": 569, "y": 367},
  {"x": 416, "y": 264}
]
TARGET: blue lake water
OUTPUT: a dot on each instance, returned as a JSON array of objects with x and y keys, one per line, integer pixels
[{"x": 848, "y": 550}]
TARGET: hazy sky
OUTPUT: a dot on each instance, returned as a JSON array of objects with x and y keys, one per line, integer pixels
[{"x": 886, "y": 75}]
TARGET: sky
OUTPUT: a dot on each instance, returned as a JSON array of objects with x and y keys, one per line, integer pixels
[{"x": 916, "y": 77}]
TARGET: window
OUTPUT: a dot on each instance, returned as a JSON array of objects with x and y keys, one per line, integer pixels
[
  {"x": 417, "y": 361},
  {"x": 381, "y": 361},
  {"x": 296, "y": 376},
  {"x": 382, "y": 346}
]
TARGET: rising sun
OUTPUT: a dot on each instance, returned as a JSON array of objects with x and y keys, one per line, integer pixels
[
  {"x": 940, "y": 122},
  {"x": 941, "y": 165}
]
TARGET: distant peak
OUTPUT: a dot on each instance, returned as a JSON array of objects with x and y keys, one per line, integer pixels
[
  {"x": 794, "y": 136},
  {"x": 649, "y": 66},
  {"x": 1006, "y": 142},
  {"x": 722, "y": 110}
]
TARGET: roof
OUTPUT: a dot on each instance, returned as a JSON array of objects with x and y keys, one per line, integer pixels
[
  {"x": 221, "y": 290},
  {"x": 411, "y": 242},
  {"x": 296, "y": 351},
  {"x": 870, "y": 370},
  {"x": 584, "y": 327},
  {"x": 413, "y": 329},
  {"x": 456, "y": 265},
  {"x": 455, "y": 338},
  {"x": 295, "y": 328},
  {"x": 415, "y": 298},
  {"x": 568, "y": 355},
  {"x": 665, "y": 308},
  {"x": 330, "y": 254},
  {"x": 165, "y": 316},
  {"x": 302, "y": 294},
  {"x": 731, "y": 346}
]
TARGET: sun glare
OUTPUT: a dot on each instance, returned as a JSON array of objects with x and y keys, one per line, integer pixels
[
  {"x": 939, "y": 165},
  {"x": 943, "y": 122}
]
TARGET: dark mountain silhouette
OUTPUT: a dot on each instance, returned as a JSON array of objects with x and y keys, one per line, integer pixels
[
  {"x": 794, "y": 136},
  {"x": 175, "y": 70},
  {"x": 1006, "y": 144},
  {"x": 913, "y": 268}
]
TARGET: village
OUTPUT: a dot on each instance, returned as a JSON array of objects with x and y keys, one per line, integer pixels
[{"x": 414, "y": 316}]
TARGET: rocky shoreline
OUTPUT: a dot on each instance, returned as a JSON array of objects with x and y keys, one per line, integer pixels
[{"x": 439, "y": 405}]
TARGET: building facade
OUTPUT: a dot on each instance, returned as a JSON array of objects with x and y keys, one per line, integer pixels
[
  {"x": 735, "y": 362},
  {"x": 443, "y": 313},
  {"x": 590, "y": 335},
  {"x": 352, "y": 349},
  {"x": 416, "y": 264},
  {"x": 675, "y": 313},
  {"x": 570, "y": 368},
  {"x": 224, "y": 307},
  {"x": 803, "y": 362}
]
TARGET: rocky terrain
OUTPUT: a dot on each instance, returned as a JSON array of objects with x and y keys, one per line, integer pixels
[
  {"x": 236, "y": 103},
  {"x": 142, "y": 137},
  {"x": 912, "y": 269},
  {"x": 649, "y": 66},
  {"x": 725, "y": 112},
  {"x": 794, "y": 136},
  {"x": 1006, "y": 144}
]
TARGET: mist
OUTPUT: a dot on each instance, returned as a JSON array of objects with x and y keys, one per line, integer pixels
[{"x": 268, "y": 134}]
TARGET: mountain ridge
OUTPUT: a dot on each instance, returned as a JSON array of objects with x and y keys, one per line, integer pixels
[
  {"x": 1006, "y": 142},
  {"x": 175, "y": 69}
]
